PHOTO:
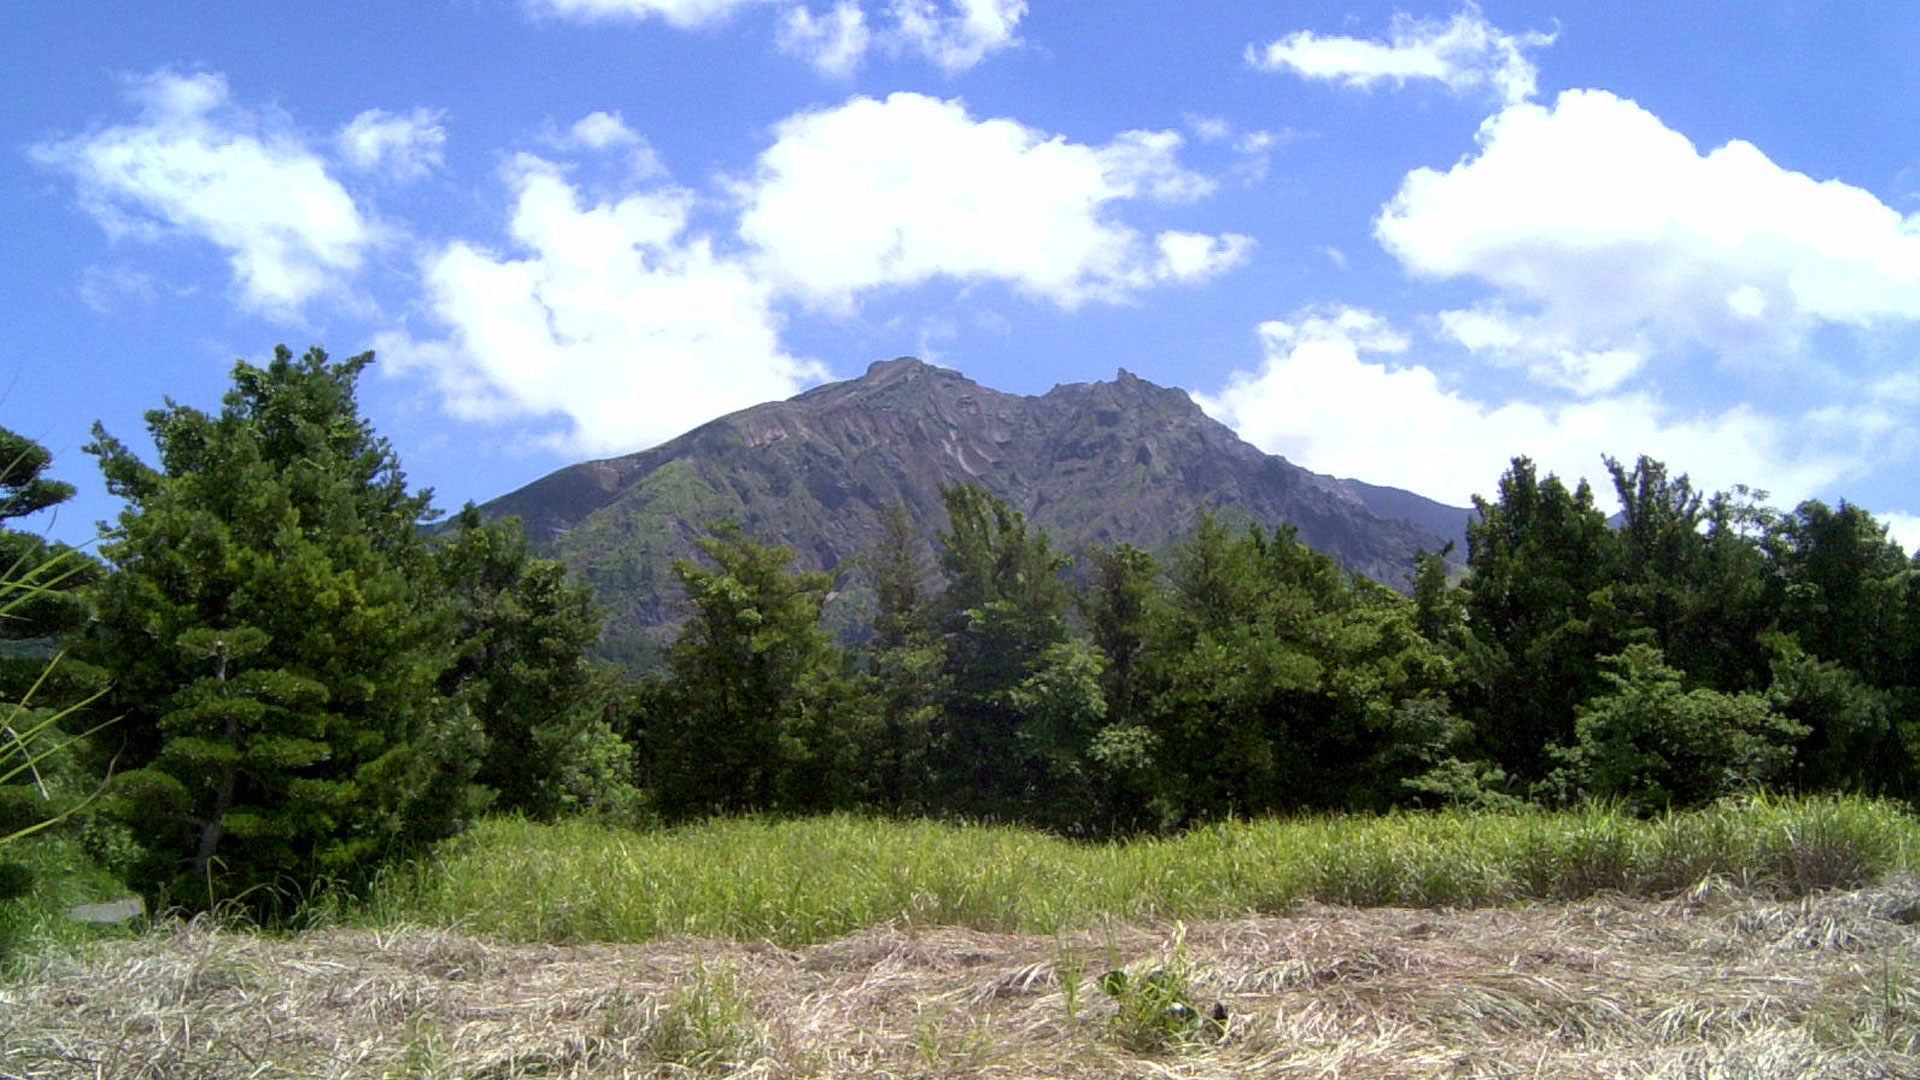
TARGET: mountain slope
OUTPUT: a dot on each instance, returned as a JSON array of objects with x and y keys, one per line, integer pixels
[{"x": 1092, "y": 463}]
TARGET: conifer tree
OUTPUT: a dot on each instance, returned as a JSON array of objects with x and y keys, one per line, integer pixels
[
  {"x": 521, "y": 633},
  {"x": 1023, "y": 700},
  {"x": 902, "y": 668},
  {"x": 755, "y": 717},
  {"x": 43, "y": 693},
  {"x": 275, "y": 641},
  {"x": 45, "y": 578}
]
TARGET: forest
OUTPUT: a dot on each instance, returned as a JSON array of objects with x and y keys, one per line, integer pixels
[{"x": 275, "y": 669}]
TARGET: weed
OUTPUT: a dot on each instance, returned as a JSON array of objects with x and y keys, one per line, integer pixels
[
  {"x": 1155, "y": 1011},
  {"x": 1070, "y": 971},
  {"x": 705, "y": 1025},
  {"x": 422, "y": 1056},
  {"x": 940, "y": 1049}
]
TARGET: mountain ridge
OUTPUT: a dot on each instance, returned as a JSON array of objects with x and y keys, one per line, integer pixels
[{"x": 1093, "y": 463}]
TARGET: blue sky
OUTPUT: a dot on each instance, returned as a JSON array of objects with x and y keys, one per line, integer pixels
[{"x": 1399, "y": 242}]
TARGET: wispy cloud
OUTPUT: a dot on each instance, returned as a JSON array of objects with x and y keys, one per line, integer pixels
[
  {"x": 1466, "y": 53},
  {"x": 400, "y": 146},
  {"x": 834, "y": 43},
  {"x": 196, "y": 165},
  {"x": 954, "y": 35},
  {"x": 680, "y": 13}
]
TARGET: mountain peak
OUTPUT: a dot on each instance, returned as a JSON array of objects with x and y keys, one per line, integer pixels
[
  {"x": 897, "y": 368},
  {"x": 1095, "y": 464}
]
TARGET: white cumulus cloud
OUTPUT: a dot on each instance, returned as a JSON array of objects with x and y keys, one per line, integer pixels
[
  {"x": 952, "y": 34},
  {"x": 897, "y": 192},
  {"x": 1465, "y": 52},
  {"x": 1902, "y": 528},
  {"x": 956, "y": 34},
  {"x": 680, "y": 13},
  {"x": 601, "y": 131},
  {"x": 607, "y": 132},
  {"x": 1332, "y": 394},
  {"x": 1602, "y": 229},
  {"x": 402, "y": 146},
  {"x": 611, "y": 315},
  {"x": 196, "y": 165},
  {"x": 833, "y": 43},
  {"x": 621, "y": 319}
]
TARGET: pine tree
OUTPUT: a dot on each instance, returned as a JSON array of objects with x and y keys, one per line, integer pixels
[
  {"x": 521, "y": 634},
  {"x": 276, "y": 641},
  {"x": 1023, "y": 700},
  {"x": 44, "y": 580},
  {"x": 755, "y": 717},
  {"x": 901, "y": 668},
  {"x": 43, "y": 693}
]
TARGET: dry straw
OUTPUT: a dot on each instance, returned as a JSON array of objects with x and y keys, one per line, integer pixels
[{"x": 1715, "y": 983}]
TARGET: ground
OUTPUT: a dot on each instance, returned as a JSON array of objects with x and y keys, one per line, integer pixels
[{"x": 1715, "y": 983}]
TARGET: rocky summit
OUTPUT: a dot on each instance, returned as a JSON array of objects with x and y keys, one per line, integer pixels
[{"x": 1093, "y": 464}]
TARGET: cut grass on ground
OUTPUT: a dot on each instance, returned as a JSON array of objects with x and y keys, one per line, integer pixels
[{"x": 1717, "y": 983}]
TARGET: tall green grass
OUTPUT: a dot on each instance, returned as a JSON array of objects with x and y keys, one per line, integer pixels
[{"x": 806, "y": 880}]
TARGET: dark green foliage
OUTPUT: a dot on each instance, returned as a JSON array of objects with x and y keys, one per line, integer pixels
[
  {"x": 1851, "y": 670},
  {"x": 45, "y": 775},
  {"x": 1651, "y": 743},
  {"x": 276, "y": 641},
  {"x": 1852, "y": 737},
  {"x": 902, "y": 669},
  {"x": 16, "y": 881},
  {"x": 1124, "y": 607},
  {"x": 46, "y": 577},
  {"x": 1541, "y": 565},
  {"x": 1280, "y": 683},
  {"x": 1023, "y": 702},
  {"x": 521, "y": 634},
  {"x": 757, "y": 711},
  {"x": 1845, "y": 590},
  {"x": 43, "y": 582}
]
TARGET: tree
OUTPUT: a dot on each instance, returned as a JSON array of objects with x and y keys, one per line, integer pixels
[
  {"x": 902, "y": 667},
  {"x": 276, "y": 640},
  {"x": 1020, "y": 709},
  {"x": 43, "y": 694},
  {"x": 754, "y": 717},
  {"x": 46, "y": 581},
  {"x": 521, "y": 634},
  {"x": 1693, "y": 575},
  {"x": 1843, "y": 588},
  {"x": 1652, "y": 743},
  {"x": 1541, "y": 563},
  {"x": 1124, "y": 608},
  {"x": 1281, "y": 683}
]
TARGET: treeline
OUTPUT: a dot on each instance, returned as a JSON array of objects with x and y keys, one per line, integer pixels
[
  {"x": 1703, "y": 646},
  {"x": 304, "y": 683}
]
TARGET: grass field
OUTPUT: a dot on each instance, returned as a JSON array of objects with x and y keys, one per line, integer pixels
[
  {"x": 804, "y": 881},
  {"x": 1763, "y": 939}
]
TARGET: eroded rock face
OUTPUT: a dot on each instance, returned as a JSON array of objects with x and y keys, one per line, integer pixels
[{"x": 1092, "y": 463}]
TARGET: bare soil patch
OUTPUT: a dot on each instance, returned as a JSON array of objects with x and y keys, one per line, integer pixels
[{"x": 1712, "y": 984}]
